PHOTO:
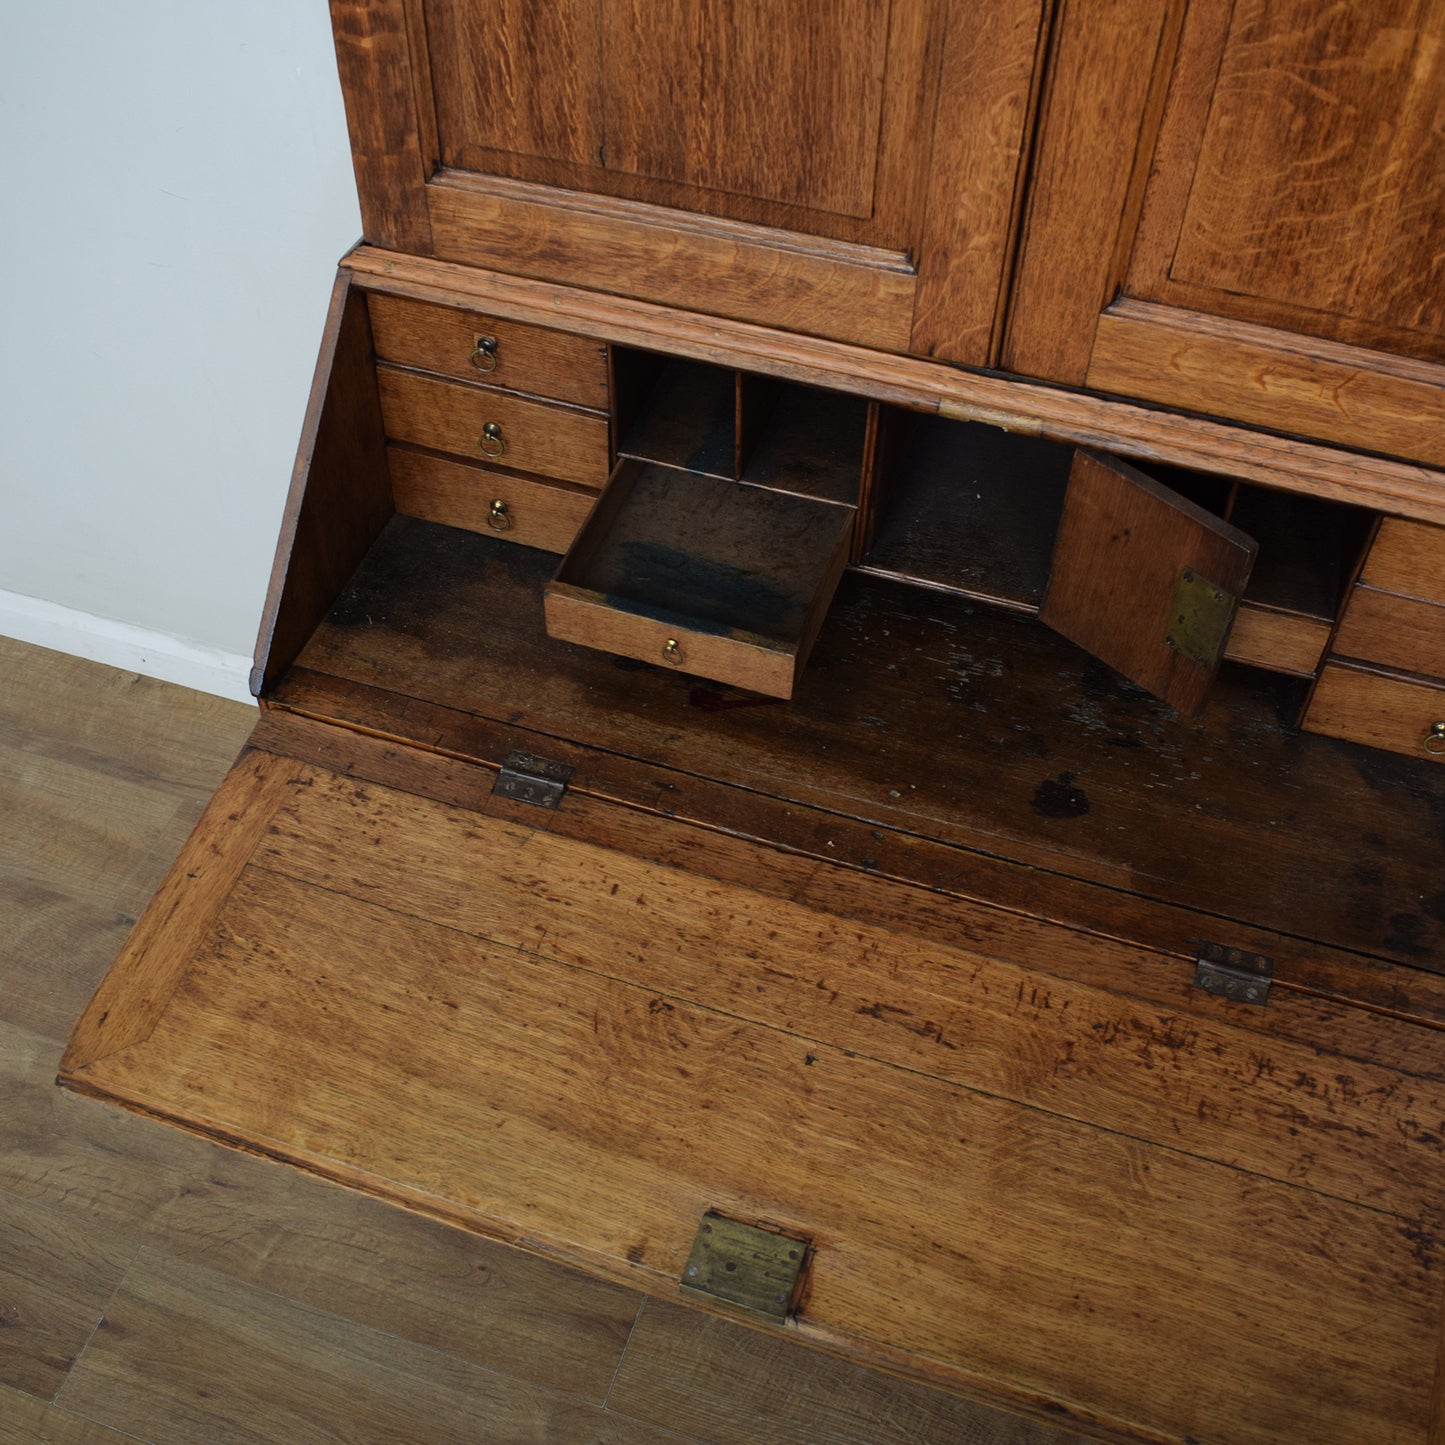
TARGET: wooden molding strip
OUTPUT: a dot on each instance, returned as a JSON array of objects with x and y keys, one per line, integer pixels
[{"x": 1126, "y": 428}]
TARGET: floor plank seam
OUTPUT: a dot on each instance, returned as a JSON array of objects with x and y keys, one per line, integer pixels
[
  {"x": 95, "y": 1329},
  {"x": 622, "y": 1356}
]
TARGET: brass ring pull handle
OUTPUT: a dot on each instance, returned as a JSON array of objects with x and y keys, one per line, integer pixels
[
  {"x": 490, "y": 442},
  {"x": 499, "y": 519},
  {"x": 1435, "y": 738},
  {"x": 671, "y": 652},
  {"x": 484, "y": 354}
]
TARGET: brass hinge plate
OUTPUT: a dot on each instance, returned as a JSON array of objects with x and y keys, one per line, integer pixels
[
  {"x": 532, "y": 779},
  {"x": 1200, "y": 618},
  {"x": 753, "y": 1268},
  {"x": 1233, "y": 973}
]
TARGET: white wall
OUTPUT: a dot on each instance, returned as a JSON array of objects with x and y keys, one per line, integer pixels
[{"x": 175, "y": 190}]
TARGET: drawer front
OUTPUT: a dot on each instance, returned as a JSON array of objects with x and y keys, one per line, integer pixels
[
  {"x": 1383, "y": 711},
  {"x": 1407, "y": 557},
  {"x": 493, "y": 500},
  {"x": 1393, "y": 631},
  {"x": 529, "y": 436},
  {"x": 488, "y": 351}
]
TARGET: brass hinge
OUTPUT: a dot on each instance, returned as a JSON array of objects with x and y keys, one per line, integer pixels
[
  {"x": 753, "y": 1268},
  {"x": 1233, "y": 973},
  {"x": 532, "y": 779},
  {"x": 1200, "y": 619}
]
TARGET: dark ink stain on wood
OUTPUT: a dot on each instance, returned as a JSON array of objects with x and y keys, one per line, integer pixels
[
  {"x": 1059, "y": 798},
  {"x": 1408, "y": 934}
]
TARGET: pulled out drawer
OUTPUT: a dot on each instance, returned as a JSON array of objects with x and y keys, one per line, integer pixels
[
  {"x": 709, "y": 576},
  {"x": 1380, "y": 709}
]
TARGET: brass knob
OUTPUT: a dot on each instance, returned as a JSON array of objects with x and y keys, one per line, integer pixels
[
  {"x": 671, "y": 652},
  {"x": 484, "y": 354},
  {"x": 490, "y": 442},
  {"x": 499, "y": 519},
  {"x": 1435, "y": 738}
]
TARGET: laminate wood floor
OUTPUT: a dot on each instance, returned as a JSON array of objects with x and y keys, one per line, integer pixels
[{"x": 159, "y": 1288}]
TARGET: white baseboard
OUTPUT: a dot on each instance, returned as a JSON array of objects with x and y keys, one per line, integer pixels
[{"x": 118, "y": 644}]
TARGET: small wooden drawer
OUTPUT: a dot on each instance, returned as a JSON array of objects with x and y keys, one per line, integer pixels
[
  {"x": 494, "y": 500},
  {"x": 488, "y": 351},
  {"x": 714, "y": 578},
  {"x": 494, "y": 426},
  {"x": 1394, "y": 631},
  {"x": 1383, "y": 710},
  {"x": 1407, "y": 557}
]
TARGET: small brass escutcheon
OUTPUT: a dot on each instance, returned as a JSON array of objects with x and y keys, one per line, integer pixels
[
  {"x": 756, "y": 1269},
  {"x": 1200, "y": 619},
  {"x": 484, "y": 354}
]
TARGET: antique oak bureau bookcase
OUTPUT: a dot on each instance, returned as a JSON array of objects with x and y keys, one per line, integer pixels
[{"x": 853, "y": 693}]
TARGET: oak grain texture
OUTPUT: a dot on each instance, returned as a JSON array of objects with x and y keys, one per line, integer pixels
[
  {"x": 988, "y": 87},
  {"x": 1397, "y": 632},
  {"x": 976, "y": 729},
  {"x": 550, "y": 440},
  {"x": 24, "y": 1420},
  {"x": 1407, "y": 557},
  {"x": 373, "y": 55},
  {"x": 1369, "y": 1010},
  {"x": 528, "y": 359},
  {"x": 1127, "y": 429},
  {"x": 1279, "y": 641},
  {"x": 1378, "y": 708},
  {"x": 1270, "y": 377},
  {"x": 818, "y": 287},
  {"x": 539, "y": 512},
  {"x": 524, "y": 1077},
  {"x": 187, "y": 1354},
  {"x": 711, "y": 1378},
  {"x": 1124, "y": 544},
  {"x": 340, "y": 493}
]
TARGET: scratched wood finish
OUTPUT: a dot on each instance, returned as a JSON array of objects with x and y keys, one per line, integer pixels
[
  {"x": 582, "y": 1067},
  {"x": 444, "y": 339},
  {"x": 340, "y": 493},
  {"x": 974, "y": 727}
]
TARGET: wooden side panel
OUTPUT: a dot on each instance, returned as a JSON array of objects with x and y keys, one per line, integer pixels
[
  {"x": 593, "y": 1095},
  {"x": 1108, "y": 66},
  {"x": 986, "y": 100},
  {"x": 374, "y": 57},
  {"x": 1271, "y": 378},
  {"x": 1124, "y": 544},
  {"x": 340, "y": 494}
]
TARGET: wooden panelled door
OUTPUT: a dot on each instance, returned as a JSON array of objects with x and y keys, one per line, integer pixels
[
  {"x": 1239, "y": 209},
  {"x": 737, "y": 157}
]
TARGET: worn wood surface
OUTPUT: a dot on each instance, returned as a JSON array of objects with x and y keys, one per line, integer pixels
[
  {"x": 643, "y": 1086},
  {"x": 1382, "y": 709},
  {"x": 550, "y": 440},
  {"x": 974, "y": 728},
  {"x": 811, "y": 445},
  {"x": 1129, "y": 430},
  {"x": 531, "y": 359},
  {"x": 1407, "y": 557},
  {"x": 539, "y": 512},
  {"x": 340, "y": 493},
  {"x": 78, "y": 1181},
  {"x": 1271, "y": 378},
  {"x": 1394, "y": 631}
]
